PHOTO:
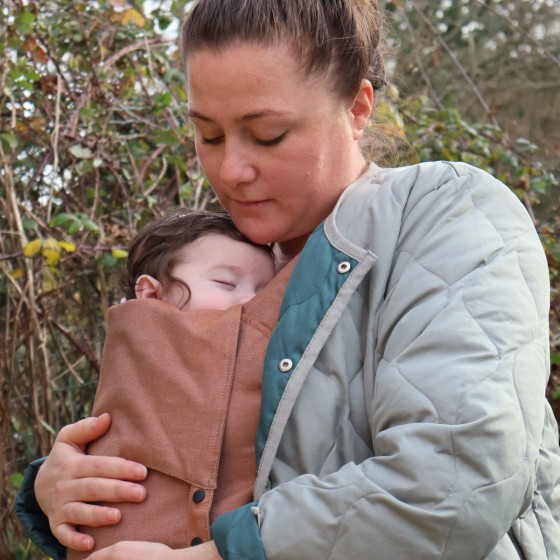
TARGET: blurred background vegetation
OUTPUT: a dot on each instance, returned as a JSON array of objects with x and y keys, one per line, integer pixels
[{"x": 94, "y": 140}]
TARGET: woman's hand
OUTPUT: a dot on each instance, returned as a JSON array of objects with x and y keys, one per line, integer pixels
[
  {"x": 131, "y": 550},
  {"x": 69, "y": 478}
]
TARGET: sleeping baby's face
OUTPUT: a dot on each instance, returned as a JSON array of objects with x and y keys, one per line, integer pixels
[{"x": 219, "y": 271}]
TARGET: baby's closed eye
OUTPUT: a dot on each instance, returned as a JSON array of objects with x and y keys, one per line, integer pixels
[{"x": 231, "y": 284}]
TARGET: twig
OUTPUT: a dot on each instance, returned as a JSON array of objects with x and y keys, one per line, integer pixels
[
  {"x": 517, "y": 27},
  {"x": 130, "y": 48},
  {"x": 85, "y": 351},
  {"x": 149, "y": 190},
  {"x": 425, "y": 76},
  {"x": 457, "y": 63},
  {"x": 148, "y": 162},
  {"x": 38, "y": 172},
  {"x": 55, "y": 146}
]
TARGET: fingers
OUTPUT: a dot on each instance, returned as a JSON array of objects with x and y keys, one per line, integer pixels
[
  {"x": 82, "y": 432},
  {"x": 69, "y": 480},
  {"x": 117, "y": 467},
  {"x": 132, "y": 550},
  {"x": 70, "y": 538},
  {"x": 100, "y": 490},
  {"x": 79, "y": 512},
  {"x": 90, "y": 514},
  {"x": 85, "y": 466}
]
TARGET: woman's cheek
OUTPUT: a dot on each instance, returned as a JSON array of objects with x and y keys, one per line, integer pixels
[{"x": 209, "y": 162}]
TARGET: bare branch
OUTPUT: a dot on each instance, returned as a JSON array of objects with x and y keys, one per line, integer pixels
[{"x": 456, "y": 61}]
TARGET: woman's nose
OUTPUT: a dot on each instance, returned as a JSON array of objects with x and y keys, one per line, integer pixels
[{"x": 237, "y": 166}]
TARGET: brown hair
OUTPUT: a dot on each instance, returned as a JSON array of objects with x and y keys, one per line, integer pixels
[
  {"x": 341, "y": 37},
  {"x": 155, "y": 248}
]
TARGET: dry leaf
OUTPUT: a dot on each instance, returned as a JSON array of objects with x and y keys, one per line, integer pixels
[
  {"x": 32, "y": 248},
  {"x": 130, "y": 15},
  {"x": 49, "y": 280},
  {"x": 29, "y": 45},
  {"x": 40, "y": 56},
  {"x": 51, "y": 251},
  {"x": 68, "y": 247},
  {"x": 119, "y": 253}
]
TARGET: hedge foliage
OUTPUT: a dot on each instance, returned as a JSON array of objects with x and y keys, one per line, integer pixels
[{"x": 95, "y": 140}]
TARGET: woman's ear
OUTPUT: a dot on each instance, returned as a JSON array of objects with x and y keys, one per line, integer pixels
[
  {"x": 361, "y": 109},
  {"x": 147, "y": 287}
]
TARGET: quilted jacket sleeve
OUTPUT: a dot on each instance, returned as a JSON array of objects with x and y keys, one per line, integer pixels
[
  {"x": 458, "y": 408},
  {"x": 31, "y": 517}
]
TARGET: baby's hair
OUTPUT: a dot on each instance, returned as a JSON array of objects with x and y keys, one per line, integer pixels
[{"x": 154, "y": 250}]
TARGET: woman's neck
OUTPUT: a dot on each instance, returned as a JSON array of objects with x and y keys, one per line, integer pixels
[{"x": 285, "y": 251}]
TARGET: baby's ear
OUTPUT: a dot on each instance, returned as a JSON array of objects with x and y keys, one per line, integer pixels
[{"x": 147, "y": 287}]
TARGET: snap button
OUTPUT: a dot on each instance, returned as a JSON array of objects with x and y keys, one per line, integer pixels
[
  {"x": 343, "y": 267},
  {"x": 196, "y": 540},
  {"x": 198, "y": 496},
  {"x": 285, "y": 365}
]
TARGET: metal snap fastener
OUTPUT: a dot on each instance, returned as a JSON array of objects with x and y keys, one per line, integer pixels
[
  {"x": 285, "y": 365},
  {"x": 343, "y": 267}
]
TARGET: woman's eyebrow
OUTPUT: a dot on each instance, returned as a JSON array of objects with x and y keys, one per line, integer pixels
[
  {"x": 196, "y": 115},
  {"x": 249, "y": 117},
  {"x": 260, "y": 114}
]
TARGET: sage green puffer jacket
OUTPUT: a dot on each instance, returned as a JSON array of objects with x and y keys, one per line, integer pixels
[{"x": 404, "y": 412}]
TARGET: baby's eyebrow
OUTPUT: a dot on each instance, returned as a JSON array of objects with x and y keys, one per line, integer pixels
[{"x": 229, "y": 267}]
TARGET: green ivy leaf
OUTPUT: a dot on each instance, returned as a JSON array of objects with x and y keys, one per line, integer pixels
[
  {"x": 80, "y": 152},
  {"x": 29, "y": 224},
  {"x": 108, "y": 261},
  {"x": 90, "y": 224},
  {"x": 9, "y": 140},
  {"x": 167, "y": 137},
  {"x": 15, "y": 479},
  {"x": 61, "y": 219},
  {"x": 74, "y": 227}
]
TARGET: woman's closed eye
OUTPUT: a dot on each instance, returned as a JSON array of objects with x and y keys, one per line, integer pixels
[
  {"x": 259, "y": 141},
  {"x": 211, "y": 141},
  {"x": 272, "y": 141}
]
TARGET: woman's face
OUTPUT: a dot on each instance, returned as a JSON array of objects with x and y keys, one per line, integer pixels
[{"x": 278, "y": 149}]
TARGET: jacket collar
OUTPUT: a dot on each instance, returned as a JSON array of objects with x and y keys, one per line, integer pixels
[{"x": 327, "y": 274}]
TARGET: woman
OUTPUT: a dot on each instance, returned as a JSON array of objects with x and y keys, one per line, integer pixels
[{"x": 403, "y": 411}]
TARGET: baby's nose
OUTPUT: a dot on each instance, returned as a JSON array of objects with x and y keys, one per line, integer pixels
[{"x": 247, "y": 294}]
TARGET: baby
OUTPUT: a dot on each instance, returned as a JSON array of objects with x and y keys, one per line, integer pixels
[
  {"x": 181, "y": 374},
  {"x": 196, "y": 260}
]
